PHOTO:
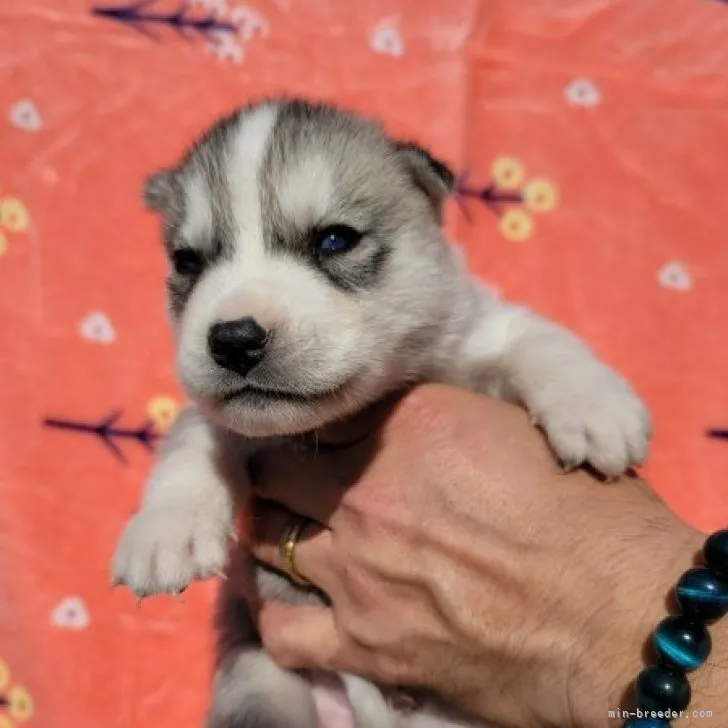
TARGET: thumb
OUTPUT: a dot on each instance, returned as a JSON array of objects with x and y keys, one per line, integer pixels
[{"x": 300, "y": 637}]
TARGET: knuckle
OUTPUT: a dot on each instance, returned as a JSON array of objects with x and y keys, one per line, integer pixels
[
  {"x": 277, "y": 648},
  {"x": 356, "y": 583},
  {"x": 356, "y": 509},
  {"x": 422, "y": 408},
  {"x": 367, "y": 506},
  {"x": 390, "y": 670}
]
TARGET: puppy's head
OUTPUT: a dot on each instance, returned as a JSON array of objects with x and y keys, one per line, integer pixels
[{"x": 308, "y": 275}]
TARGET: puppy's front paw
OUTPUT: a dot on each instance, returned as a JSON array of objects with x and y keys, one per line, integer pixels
[
  {"x": 164, "y": 548},
  {"x": 594, "y": 417}
]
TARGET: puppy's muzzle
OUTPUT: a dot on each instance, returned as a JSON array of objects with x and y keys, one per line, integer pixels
[{"x": 237, "y": 345}]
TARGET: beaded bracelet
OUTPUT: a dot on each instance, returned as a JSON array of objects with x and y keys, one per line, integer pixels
[{"x": 682, "y": 642}]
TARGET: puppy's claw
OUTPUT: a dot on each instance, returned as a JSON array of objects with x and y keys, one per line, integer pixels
[{"x": 156, "y": 554}]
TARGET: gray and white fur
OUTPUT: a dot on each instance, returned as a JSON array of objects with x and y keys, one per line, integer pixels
[{"x": 278, "y": 335}]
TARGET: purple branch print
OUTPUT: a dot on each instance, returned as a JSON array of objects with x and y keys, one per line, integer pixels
[
  {"x": 140, "y": 18},
  {"x": 489, "y": 195},
  {"x": 107, "y": 432}
]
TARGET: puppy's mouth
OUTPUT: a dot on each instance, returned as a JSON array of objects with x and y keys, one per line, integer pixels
[{"x": 255, "y": 394}]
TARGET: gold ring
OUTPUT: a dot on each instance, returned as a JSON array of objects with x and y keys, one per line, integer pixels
[{"x": 287, "y": 548}]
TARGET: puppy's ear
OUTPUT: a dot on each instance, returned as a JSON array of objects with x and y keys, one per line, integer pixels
[
  {"x": 431, "y": 175},
  {"x": 160, "y": 191}
]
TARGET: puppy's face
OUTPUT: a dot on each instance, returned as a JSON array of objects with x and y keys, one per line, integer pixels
[{"x": 308, "y": 275}]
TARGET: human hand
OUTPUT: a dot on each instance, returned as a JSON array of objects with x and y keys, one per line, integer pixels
[{"x": 458, "y": 558}]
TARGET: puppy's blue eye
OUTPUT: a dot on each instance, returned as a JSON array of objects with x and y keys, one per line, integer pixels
[
  {"x": 187, "y": 262},
  {"x": 337, "y": 239}
]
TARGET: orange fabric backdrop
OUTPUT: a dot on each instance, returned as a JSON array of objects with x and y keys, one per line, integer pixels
[{"x": 595, "y": 138}]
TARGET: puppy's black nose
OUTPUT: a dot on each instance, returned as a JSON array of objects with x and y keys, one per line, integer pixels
[{"x": 237, "y": 345}]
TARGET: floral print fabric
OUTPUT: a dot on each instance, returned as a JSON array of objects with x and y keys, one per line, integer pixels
[{"x": 590, "y": 139}]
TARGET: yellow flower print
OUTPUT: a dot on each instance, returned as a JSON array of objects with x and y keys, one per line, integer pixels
[
  {"x": 20, "y": 703},
  {"x": 516, "y": 225},
  {"x": 513, "y": 197},
  {"x": 13, "y": 214},
  {"x": 4, "y": 675},
  {"x": 3, "y": 243},
  {"x": 162, "y": 411},
  {"x": 17, "y": 700},
  {"x": 507, "y": 172},
  {"x": 540, "y": 195}
]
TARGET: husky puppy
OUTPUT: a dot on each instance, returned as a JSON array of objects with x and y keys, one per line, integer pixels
[{"x": 309, "y": 277}]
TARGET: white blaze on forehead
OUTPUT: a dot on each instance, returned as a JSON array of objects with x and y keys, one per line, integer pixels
[
  {"x": 248, "y": 152},
  {"x": 197, "y": 227},
  {"x": 307, "y": 190}
]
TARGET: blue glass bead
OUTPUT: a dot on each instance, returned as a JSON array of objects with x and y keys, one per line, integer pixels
[
  {"x": 716, "y": 552},
  {"x": 681, "y": 642},
  {"x": 661, "y": 688},
  {"x": 702, "y": 594},
  {"x": 646, "y": 723}
]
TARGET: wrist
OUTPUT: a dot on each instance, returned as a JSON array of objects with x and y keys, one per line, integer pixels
[
  {"x": 616, "y": 642},
  {"x": 702, "y": 664}
]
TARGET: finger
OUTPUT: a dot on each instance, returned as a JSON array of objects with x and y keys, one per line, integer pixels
[
  {"x": 307, "y": 637},
  {"x": 307, "y": 482},
  {"x": 302, "y": 637},
  {"x": 312, "y": 553}
]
